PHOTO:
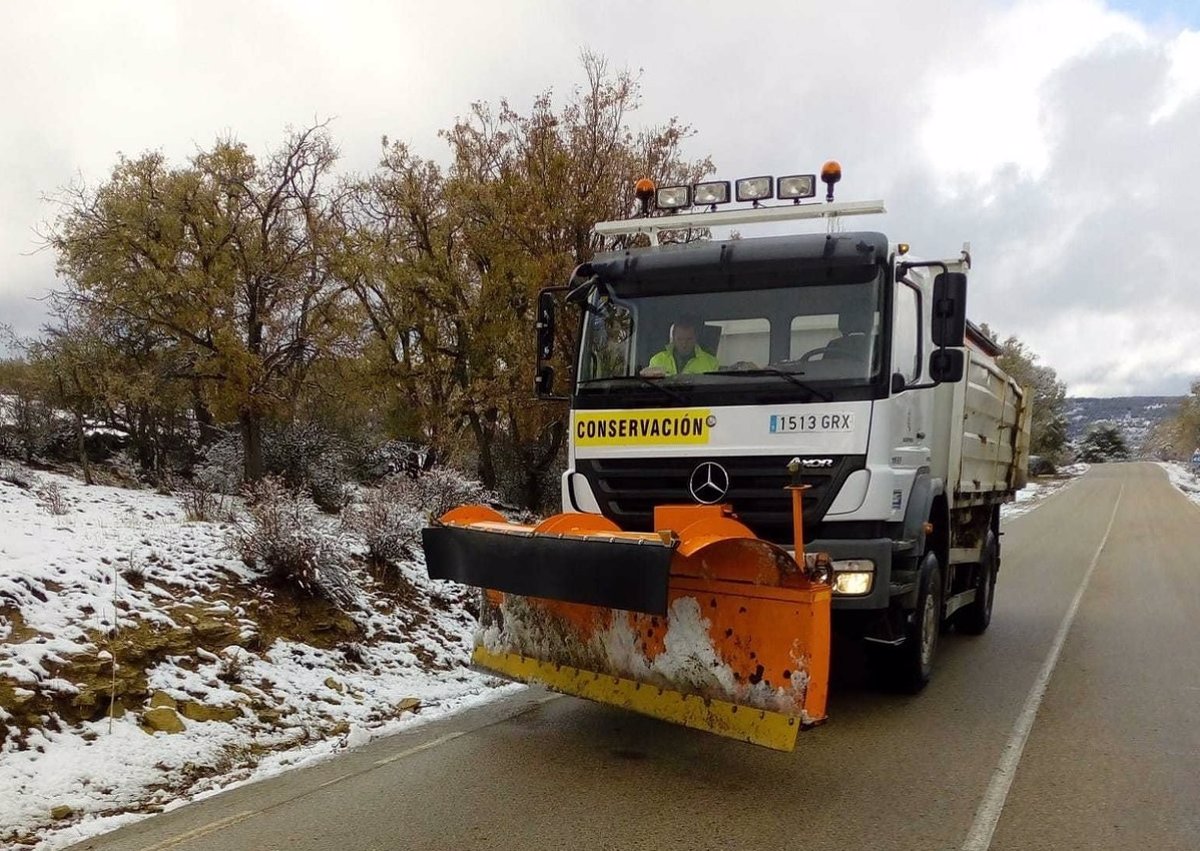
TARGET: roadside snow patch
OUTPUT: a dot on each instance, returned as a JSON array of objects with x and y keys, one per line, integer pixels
[
  {"x": 259, "y": 681},
  {"x": 1183, "y": 479},
  {"x": 1037, "y": 490}
]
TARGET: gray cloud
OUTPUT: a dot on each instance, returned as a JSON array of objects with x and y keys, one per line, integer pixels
[{"x": 1057, "y": 136}]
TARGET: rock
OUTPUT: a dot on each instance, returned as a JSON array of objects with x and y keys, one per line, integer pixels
[
  {"x": 330, "y": 682},
  {"x": 18, "y": 699},
  {"x": 216, "y": 633},
  {"x": 199, "y": 712},
  {"x": 409, "y": 704},
  {"x": 162, "y": 719},
  {"x": 61, "y": 812},
  {"x": 161, "y": 698},
  {"x": 341, "y": 728}
]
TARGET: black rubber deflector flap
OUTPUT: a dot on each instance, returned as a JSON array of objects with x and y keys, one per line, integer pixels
[{"x": 613, "y": 573}]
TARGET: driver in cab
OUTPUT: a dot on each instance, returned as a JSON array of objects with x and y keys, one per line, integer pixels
[{"x": 682, "y": 356}]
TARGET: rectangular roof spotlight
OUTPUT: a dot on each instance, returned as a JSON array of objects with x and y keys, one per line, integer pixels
[
  {"x": 756, "y": 188},
  {"x": 797, "y": 186},
  {"x": 713, "y": 192},
  {"x": 673, "y": 197}
]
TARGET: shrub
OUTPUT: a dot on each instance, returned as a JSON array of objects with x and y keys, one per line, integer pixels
[
  {"x": 1039, "y": 465},
  {"x": 52, "y": 499},
  {"x": 14, "y": 475},
  {"x": 231, "y": 666},
  {"x": 200, "y": 503},
  {"x": 134, "y": 571},
  {"x": 283, "y": 539},
  {"x": 220, "y": 466},
  {"x": 1103, "y": 442},
  {"x": 391, "y": 458},
  {"x": 329, "y": 489},
  {"x": 26, "y": 425},
  {"x": 436, "y": 491},
  {"x": 389, "y": 526},
  {"x": 305, "y": 456}
]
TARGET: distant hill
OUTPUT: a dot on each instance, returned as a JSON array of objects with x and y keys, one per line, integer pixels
[{"x": 1135, "y": 416}]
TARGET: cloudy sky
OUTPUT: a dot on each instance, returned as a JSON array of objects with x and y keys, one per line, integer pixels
[{"x": 1060, "y": 137}]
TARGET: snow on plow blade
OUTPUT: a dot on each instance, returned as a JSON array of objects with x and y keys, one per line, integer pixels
[{"x": 699, "y": 623}]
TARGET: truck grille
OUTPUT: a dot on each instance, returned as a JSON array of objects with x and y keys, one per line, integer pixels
[{"x": 627, "y": 489}]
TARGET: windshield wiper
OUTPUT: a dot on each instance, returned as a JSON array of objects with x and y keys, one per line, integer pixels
[
  {"x": 666, "y": 391},
  {"x": 782, "y": 373}
]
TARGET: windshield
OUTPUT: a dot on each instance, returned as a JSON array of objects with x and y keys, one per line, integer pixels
[{"x": 820, "y": 334}]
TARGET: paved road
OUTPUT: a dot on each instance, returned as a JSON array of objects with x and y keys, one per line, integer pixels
[{"x": 1073, "y": 723}]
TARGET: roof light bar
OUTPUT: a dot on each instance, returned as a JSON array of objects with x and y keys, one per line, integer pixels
[{"x": 738, "y": 216}]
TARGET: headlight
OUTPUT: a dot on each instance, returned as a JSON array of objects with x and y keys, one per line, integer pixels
[
  {"x": 673, "y": 197},
  {"x": 853, "y": 577},
  {"x": 714, "y": 192},
  {"x": 755, "y": 188},
  {"x": 797, "y": 186}
]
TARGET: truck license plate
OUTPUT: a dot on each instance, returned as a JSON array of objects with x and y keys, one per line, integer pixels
[{"x": 811, "y": 423}]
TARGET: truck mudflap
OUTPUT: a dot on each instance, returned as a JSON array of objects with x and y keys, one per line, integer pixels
[{"x": 735, "y": 641}]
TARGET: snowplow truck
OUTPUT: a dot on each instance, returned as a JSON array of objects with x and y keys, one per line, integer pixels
[{"x": 772, "y": 439}]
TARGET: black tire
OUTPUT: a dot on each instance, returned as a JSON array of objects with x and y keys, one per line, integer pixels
[
  {"x": 915, "y": 657},
  {"x": 974, "y": 618}
]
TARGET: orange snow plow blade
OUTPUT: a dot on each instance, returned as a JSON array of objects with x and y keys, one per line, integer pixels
[{"x": 699, "y": 623}]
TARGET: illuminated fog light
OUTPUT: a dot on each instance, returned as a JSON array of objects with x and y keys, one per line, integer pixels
[
  {"x": 852, "y": 584},
  {"x": 755, "y": 188},
  {"x": 715, "y": 192},
  {"x": 673, "y": 197},
  {"x": 853, "y": 577},
  {"x": 797, "y": 186}
]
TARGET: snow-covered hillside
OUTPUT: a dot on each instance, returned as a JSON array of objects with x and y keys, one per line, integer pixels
[
  {"x": 217, "y": 677},
  {"x": 1134, "y": 416}
]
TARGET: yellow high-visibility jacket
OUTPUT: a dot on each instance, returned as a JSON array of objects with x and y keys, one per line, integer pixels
[{"x": 700, "y": 361}]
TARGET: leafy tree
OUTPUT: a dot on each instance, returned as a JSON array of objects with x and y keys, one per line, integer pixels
[
  {"x": 1103, "y": 442},
  {"x": 1178, "y": 436},
  {"x": 226, "y": 257},
  {"x": 1048, "y": 428},
  {"x": 449, "y": 261},
  {"x": 121, "y": 375}
]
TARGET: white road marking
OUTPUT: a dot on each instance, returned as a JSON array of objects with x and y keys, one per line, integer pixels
[
  {"x": 433, "y": 743},
  {"x": 203, "y": 830},
  {"x": 988, "y": 814},
  {"x": 334, "y": 780},
  {"x": 547, "y": 698}
]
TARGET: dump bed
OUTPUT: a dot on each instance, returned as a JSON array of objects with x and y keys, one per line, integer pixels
[{"x": 989, "y": 454}]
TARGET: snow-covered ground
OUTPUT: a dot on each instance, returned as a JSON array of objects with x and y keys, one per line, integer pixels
[
  {"x": 122, "y": 573},
  {"x": 1035, "y": 493},
  {"x": 1182, "y": 478}
]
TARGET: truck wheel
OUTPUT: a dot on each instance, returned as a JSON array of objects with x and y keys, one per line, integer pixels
[
  {"x": 974, "y": 618},
  {"x": 916, "y": 654}
]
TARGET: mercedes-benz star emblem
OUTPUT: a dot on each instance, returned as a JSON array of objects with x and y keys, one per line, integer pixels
[{"x": 709, "y": 483}]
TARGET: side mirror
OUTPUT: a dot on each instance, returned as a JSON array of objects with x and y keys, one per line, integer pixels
[
  {"x": 947, "y": 365},
  {"x": 545, "y": 325},
  {"x": 545, "y": 330},
  {"x": 543, "y": 382},
  {"x": 949, "y": 310}
]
